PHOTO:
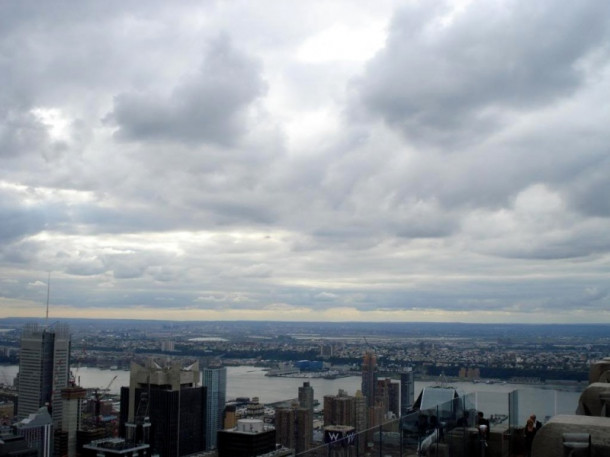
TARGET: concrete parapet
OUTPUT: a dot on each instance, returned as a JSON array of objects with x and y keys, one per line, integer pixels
[
  {"x": 593, "y": 398},
  {"x": 499, "y": 443},
  {"x": 549, "y": 439},
  {"x": 600, "y": 371},
  {"x": 465, "y": 442}
]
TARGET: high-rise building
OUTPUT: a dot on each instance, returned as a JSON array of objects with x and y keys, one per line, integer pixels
[
  {"x": 388, "y": 396},
  {"x": 249, "y": 438},
  {"x": 285, "y": 427},
  {"x": 169, "y": 396},
  {"x": 361, "y": 417},
  {"x": 394, "y": 398},
  {"x": 346, "y": 410},
  {"x": 306, "y": 396},
  {"x": 407, "y": 391},
  {"x": 7, "y": 412},
  {"x": 71, "y": 421},
  {"x": 87, "y": 435},
  {"x": 305, "y": 420},
  {"x": 115, "y": 447},
  {"x": 382, "y": 394},
  {"x": 339, "y": 409},
  {"x": 376, "y": 415},
  {"x": 341, "y": 440},
  {"x": 215, "y": 382},
  {"x": 230, "y": 417},
  {"x": 255, "y": 409},
  {"x": 304, "y": 429},
  {"x": 369, "y": 377},
  {"x": 293, "y": 428},
  {"x": 44, "y": 369},
  {"x": 37, "y": 429}
]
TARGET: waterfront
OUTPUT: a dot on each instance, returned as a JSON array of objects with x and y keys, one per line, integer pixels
[{"x": 249, "y": 381}]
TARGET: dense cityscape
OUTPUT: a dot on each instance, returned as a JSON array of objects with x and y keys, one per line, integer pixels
[
  {"x": 555, "y": 352},
  {"x": 192, "y": 358}
]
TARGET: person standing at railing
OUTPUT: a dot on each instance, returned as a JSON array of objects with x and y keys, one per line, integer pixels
[
  {"x": 482, "y": 421},
  {"x": 463, "y": 421},
  {"x": 537, "y": 423},
  {"x": 529, "y": 433}
]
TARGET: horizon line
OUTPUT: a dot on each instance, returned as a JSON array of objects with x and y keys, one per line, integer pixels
[{"x": 307, "y": 322}]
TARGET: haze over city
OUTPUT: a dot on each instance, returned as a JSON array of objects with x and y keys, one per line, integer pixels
[{"x": 306, "y": 161}]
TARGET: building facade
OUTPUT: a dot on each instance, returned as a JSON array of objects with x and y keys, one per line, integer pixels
[
  {"x": 44, "y": 369},
  {"x": 285, "y": 427},
  {"x": 115, "y": 447},
  {"x": 249, "y": 438},
  {"x": 215, "y": 382},
  {"x": 294, "y": 428},
  {"x": 306, "y": 396},
  {"x": 407, "y": 391},
  {"x": 369, "y": 377},
  {"x": 165, "y": 402},
  {"x": 37, "y": 429},
  {"x": 72, "y": 398}
]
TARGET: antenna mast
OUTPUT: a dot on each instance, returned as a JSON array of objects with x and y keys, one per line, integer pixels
[{"x": 48, "y": 293}]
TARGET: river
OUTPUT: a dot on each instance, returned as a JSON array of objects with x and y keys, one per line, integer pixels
[{"x": 248, "y": 381}]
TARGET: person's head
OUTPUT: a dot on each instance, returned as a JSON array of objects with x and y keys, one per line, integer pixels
[
  {"x": 480, "y": 413},
  {"x": 533, "y": 418},
  {"x": 530, "y": 423}
]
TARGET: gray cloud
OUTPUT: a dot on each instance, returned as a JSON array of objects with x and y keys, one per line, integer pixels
[
  {"x": 452, "y": 83},
  {"x": 21, "y": 134},
  {"x": 188, "y": 157},
  {"x": 209, "y": 106}
]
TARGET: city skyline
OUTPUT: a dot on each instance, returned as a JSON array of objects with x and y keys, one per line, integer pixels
[{"x": 386, "y": 162}]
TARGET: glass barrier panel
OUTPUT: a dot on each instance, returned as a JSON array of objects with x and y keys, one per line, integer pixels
[
  {"x": 495, "y": 406},
  {"x": 447, "y": 429}
]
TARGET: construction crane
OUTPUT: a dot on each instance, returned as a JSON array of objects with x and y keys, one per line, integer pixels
[
  {"x": 99, "y": 395},
  {"x": 368, "y": 345},
  {"x": 107, "y": 389}
]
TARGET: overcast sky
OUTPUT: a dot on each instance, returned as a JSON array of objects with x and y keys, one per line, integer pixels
[{"x": 287, "y": 160}]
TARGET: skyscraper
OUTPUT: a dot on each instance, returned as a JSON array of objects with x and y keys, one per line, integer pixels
[
  {"x": 407, "y": 391},
  {"x": 340, "y": 409},
  {"x": 250, "y": 437},
  {"x": 37, "y": 428},
  {"x": 72, "y": 398},
  {"x": 388, "y": 395},
  {"x": 285, "y": 427},
  {"x": 169, "y": 395},
  {"x": 304, "y": 429},
  {"x": 304, "y": 418},
  {"x": 369, "y": 377},
  {"x": 215, "y": 381},
  {"x": 306, "y": 396},
  {"x": 294, "y": 428},
  {"x": 44, "y": 369}
]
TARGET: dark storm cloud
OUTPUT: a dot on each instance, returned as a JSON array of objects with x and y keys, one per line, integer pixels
[
  {"x": 452, "y": 83},
  {"x": 209, "y": 106}
]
